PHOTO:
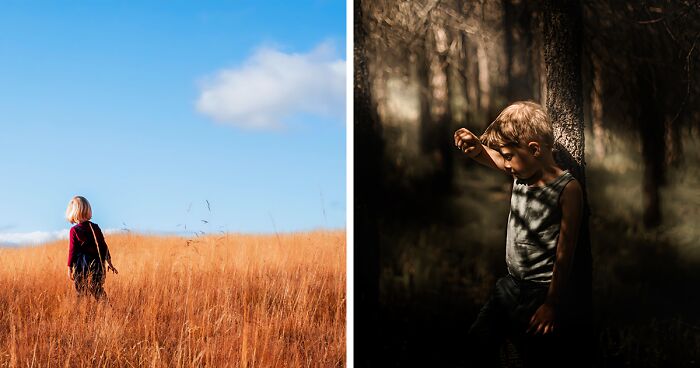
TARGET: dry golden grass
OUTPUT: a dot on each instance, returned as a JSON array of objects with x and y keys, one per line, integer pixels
[{"x": 231, "y": 300}]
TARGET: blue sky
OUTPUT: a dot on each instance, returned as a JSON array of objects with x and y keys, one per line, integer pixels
[{"x": 151, "y": 108}]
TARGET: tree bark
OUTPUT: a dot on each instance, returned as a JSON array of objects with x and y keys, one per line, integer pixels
[
  {"x": 562, "y": 52},
  {"x": 562, "y": 49},
  {"x": 368, "y": 146}
]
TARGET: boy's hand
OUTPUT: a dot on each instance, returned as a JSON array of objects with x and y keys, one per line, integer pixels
[
  {"x": 542, "y": 322},
  {"x": 110, "y": 267},
  {"x": 468, "y": 142}
]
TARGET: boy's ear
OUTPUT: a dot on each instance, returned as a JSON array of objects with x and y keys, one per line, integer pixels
[{"x": 534, "y": 148}]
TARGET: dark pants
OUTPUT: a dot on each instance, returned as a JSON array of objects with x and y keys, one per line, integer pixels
[
  {"x": 89, "y": 276},
  {"x": 506, "y": 317}
]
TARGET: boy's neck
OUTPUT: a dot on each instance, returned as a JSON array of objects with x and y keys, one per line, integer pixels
[{"x": 547, "y": 172}]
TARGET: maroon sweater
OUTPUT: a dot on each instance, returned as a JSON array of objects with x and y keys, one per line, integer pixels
[{"x": 82, "y": 241}]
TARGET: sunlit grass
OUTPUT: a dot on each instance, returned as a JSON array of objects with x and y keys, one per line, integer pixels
[{"x": 228, "y": 300}]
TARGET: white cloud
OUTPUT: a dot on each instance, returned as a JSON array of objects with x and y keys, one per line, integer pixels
[
  {"x": 272, "y": 86},
  {"x": 38, "y": 237},
  {"x": 32, "y": 238}
]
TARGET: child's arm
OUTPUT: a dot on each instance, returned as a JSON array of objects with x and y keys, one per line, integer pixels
[
  {"x": 73, "y": 241},
  {"x": 71, "y": 250},
  {"x": 571, "y": 202},
  {"x": 103, "y": 245},
  {"x": 470, "y": 144}
]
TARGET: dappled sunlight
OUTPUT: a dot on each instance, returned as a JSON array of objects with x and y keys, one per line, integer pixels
[{"x": 615, "y": 191}]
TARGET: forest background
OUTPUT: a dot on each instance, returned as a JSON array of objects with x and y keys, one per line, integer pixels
[{"x": 430, "y": 224}]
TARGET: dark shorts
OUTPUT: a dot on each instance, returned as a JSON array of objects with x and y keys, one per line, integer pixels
[
  {"x": 88, "y": 275},
  {"x": 506, "y": 317}
]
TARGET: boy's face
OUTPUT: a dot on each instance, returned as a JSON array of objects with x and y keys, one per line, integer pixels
[{"x": 520, "y": 161}]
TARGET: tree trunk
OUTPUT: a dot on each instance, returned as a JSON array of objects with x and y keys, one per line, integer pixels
[
  {"x": 674, "y": 143},
  {"x": 537, "y": 56},
  {"x": 472, "y": 80},
  {"x": 456, "y": 78},
  {"x": 597, "y": 110},
  {"x": 508, "y": 29},
  {"x": 442, "y": 99},
  {"x": 368, "y": 156},
  {"x": 653, "y": 147},
  {"x": 562, "y": 52},
  {"x": 518, "y": 40},
  {"x": 562, "y": 46},
  {"x": 527, "y": 23},
  {"x": 484, "y": 79},
  {"x": 423, "y": 60}
]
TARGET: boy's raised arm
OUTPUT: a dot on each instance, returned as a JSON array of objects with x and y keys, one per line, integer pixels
[{"x": 471, "y": 145}]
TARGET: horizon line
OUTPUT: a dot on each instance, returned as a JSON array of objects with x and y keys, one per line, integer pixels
[{"x": 39, "y": 238}]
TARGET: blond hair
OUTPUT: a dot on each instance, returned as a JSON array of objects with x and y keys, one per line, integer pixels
[
  {"x": 520, "y": 123},
  {"x": 78, "y": 210}
]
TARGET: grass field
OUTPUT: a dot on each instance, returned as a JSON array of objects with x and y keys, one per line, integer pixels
[{"x": 227, "y": 300}]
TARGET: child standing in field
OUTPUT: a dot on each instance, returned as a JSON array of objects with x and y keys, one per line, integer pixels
[
  {"x": 88, "y": 250},
  {"x": 529, "y": 305}
]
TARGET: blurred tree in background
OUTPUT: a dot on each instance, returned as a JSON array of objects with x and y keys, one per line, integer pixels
[
  {"x": 368, "y": 158},
  {"x": 429, "y": 223}
]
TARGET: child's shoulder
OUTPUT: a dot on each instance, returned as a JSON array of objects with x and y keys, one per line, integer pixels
[
  {"x": 572, "y": 190},
  {"x": 84, "y": 225},
  {"x": 570, "y": 180},
  {"x": 561, "y": 179}
]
